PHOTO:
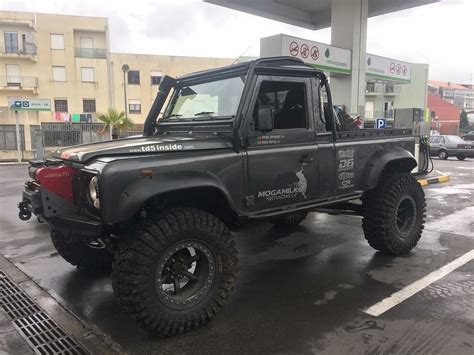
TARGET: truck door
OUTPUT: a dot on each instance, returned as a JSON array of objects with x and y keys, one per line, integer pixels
[{"x": 282, "y": 164}]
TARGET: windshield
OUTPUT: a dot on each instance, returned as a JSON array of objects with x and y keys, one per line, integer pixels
[
  {"x": 212, "y": 100},
  {"x": 455, "y": 139}
]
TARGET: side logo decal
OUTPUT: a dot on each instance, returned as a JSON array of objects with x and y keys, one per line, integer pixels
[{"x": 290, "y": 192}]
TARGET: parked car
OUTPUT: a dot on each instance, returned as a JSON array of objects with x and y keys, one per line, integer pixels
[
  {"x": 469, "y": 137},
  {"x": 445, "y": 146}
]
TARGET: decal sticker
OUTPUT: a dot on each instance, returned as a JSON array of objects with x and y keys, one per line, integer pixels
[
  {"x": 160, "y": 148},
  {"x": 289, "y": 192},
  {"x": 270, "y": 139},
  {"x": 345, "y": 168}
]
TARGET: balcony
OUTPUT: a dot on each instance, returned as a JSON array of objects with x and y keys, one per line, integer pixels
[
  {"x": 369, "y": 114},
  {"x": 18, "y": 22},
  {"x": 97, "y": 53},
  {"x": 25, "y": 50},
  {"x": 392, "y": 90},
  {"x": 372, "y": 89},
  {"x": 19, "y": 83}
]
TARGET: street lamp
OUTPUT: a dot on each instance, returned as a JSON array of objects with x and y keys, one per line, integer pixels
[{"x": 125, "y": 69}]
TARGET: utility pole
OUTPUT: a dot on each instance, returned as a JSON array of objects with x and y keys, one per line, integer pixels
[{"x": 125, "y": 69}]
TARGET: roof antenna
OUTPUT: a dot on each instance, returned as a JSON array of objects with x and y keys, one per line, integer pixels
[{"x": 237, "y": 58}]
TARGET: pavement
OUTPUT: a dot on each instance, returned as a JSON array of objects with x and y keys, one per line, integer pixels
[{"x": 299, "y": 290}]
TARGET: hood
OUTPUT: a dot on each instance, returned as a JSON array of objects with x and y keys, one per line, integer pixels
[{"x": 142, "y": 146}]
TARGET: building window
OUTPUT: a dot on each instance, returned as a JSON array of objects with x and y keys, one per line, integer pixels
[
  {"x": 57, "y": 41},
  {"x": 134, "y": 106},
  {"x": 59, "y": 73},
  {"x": 88, "y": 105},
  {"x": 133, "y": 77},
  {"x": 13, "y": 75},
  {"x": 156, "y": 77},
  {"x": 11, "y": 42},
  {"x": 87, "y": 74},
  {"x": 87, "y": 42},
  {"x": 60, "y": 105}
]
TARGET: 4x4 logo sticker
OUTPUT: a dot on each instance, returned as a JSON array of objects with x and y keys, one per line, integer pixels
[{"x": 289, "y": 192}]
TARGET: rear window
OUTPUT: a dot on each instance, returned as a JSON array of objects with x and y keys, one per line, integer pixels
[{"x": 455, "y": 139}]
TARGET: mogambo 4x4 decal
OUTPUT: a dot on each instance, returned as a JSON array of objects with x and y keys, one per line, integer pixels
[{"x": 289, "y": 192}]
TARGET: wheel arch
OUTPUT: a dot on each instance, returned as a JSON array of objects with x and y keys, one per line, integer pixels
[
  {"x": 171, "y": 190},
  {"x": 386, "y": 161}
]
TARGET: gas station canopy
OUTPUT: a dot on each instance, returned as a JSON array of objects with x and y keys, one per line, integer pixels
[{"x": 312, "y": 14}]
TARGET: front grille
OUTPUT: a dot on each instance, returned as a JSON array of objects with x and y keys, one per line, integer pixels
[{"x": 41, "y": 332}]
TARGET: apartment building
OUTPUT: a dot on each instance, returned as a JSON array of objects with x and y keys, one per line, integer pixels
[
  {"x": 67, "y": 60},
  {"x": 461, "y": 96}
]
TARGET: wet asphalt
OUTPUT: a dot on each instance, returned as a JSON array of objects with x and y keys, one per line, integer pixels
[{"x": 299, "y": 290}]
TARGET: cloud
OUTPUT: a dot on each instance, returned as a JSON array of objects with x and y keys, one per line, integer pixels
[{"x": 439, "y": 34}]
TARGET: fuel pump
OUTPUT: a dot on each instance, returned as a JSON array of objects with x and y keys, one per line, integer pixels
[{"x": 413, "y": 118}]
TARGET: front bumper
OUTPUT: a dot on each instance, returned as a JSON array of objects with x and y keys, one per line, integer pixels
[{"x": 59, "y": 213}]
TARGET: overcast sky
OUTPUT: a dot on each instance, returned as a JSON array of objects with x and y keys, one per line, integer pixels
[{"x": 441, "y": 34}]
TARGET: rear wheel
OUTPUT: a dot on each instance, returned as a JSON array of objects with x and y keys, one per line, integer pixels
[
  {"x": 394, "y": 214},
  {"x": 176, "y": 272},
  {"x": 460, "y": 157},
  {"x": 292, "y": 219},
  {"x": 89, "y": 256},
  {"x": 442, "y": 154}
]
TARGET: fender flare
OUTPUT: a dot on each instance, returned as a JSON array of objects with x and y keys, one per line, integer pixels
[
  {"x": 129, "y": 201},
  {"x": 395, "y": 159}
]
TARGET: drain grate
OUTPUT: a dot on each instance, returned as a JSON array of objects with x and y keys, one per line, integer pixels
[{"x": 42, "y": 333}]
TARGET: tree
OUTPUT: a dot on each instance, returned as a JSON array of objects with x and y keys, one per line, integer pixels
[
  {"x": 464, "y": 122},
  {"x": 114, "y": 121}
]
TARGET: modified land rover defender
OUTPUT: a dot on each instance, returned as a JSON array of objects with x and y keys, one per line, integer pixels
[{"x": 255, "y": 140}]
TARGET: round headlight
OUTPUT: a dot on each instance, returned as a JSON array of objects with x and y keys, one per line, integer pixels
[{"x": 93, "y": 186}]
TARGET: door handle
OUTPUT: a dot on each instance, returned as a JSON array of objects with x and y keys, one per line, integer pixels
[{"x": 306, "y": 158}]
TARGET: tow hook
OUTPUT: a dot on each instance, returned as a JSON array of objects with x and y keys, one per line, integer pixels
[{"x": 25, "y": 213}]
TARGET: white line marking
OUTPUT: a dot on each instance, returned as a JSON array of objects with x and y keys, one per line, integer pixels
[
  {"x": 440, "y": 172},
  {"x": 408, "y": 291}
]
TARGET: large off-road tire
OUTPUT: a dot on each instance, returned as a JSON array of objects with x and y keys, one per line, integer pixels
[
  {"x": 91, "y": 256},
  {"x": 176, "y": 271},
  {"x": 292, "y": 219},
  {"x": 443, "y": 154},
  {"x": 460, "y": 157},
  {"x": 394, "y": 214}
]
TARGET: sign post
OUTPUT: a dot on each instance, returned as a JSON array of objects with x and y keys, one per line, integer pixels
[
  {"x": 18, "y": 141},
  {"x": 25, "y": 105}
]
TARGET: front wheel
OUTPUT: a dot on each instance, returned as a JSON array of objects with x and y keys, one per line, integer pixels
[
  {"x": 442, "y": 154},
  {"x": 176, "y": 272},
  {"x": 460, "y": 157},
  {"x": 394, "y": 214}
]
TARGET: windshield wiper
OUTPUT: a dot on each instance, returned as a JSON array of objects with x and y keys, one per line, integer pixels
[
  {"x": 173, "y": 115},
  {"x": 202, "y": 113}
]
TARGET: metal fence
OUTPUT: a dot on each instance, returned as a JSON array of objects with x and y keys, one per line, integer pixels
[
  {"x": 67, "y": 134},
  {"x": 8, "y": 137}
]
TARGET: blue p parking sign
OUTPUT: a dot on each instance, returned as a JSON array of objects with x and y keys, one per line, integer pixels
[{"x": 380, "y": 123}]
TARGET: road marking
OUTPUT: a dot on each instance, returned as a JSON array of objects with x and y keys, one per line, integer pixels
[
  {"x": 465, "y": 167},
  {"x": 408, "y": 291}
]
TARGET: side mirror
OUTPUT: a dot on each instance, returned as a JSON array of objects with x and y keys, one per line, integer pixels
[{"x": 265, "y": 119}]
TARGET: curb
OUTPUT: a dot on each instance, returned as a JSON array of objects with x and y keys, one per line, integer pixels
[{"x": 433, "y": 180}]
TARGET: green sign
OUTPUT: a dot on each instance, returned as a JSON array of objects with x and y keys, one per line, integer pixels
[{"x": 29, "y": 104}]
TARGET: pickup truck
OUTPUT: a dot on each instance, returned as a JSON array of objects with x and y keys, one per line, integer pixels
[{"x": 251, "y": 141}]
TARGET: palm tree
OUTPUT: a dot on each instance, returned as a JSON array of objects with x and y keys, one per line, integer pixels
[{"x": 114, "y": 121}]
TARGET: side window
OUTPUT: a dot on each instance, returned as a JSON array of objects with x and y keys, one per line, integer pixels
[
  {"x": 434, "y": 140},
  {"x": 288, "y": 102},
  {"x": 441, "y": 140}
]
